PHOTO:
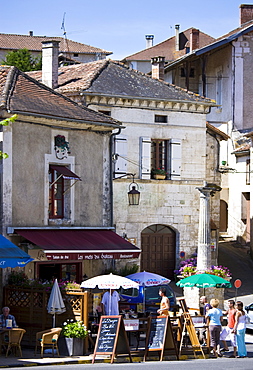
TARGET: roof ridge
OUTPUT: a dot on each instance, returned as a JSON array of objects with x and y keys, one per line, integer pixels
[{"x": 9, "y": 84}]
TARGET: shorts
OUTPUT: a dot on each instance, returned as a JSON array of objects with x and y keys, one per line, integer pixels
[{"x": 228, "y": 332}]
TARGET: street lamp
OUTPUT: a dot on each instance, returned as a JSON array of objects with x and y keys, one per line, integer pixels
[{"x": 133, "y": 194}]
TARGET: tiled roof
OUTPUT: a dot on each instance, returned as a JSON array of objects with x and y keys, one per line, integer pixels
[
  {"x": 19, "y": 93},
  {"x": 33, "y": 43},
  {"x": 114, "y": 78},
  {"x": 167, "y": 48},
  {"x": 222, "y": 134}
]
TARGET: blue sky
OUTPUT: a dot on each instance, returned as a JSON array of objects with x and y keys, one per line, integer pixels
[{"x": 118, "y": 26}]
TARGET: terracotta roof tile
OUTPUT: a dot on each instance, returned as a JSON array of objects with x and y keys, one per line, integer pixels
[
  {"x": 33, "y": 43},
  {"x": 167, "y": 48},
  {"x": 20, "y": 93}
]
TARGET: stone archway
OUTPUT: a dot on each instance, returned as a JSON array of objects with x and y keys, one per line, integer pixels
[{"x": 158, "y": 244}]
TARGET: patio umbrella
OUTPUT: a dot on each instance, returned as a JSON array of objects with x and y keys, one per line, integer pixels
[
  {"x": 55, "y": 303},
  {"x": 110, "y": 281},
  {"x": 146, "y": 278},
  {"x": 11, "y": 255},
  {"x": 204, "y": 281}
]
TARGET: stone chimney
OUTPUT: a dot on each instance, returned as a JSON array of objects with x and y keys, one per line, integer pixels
[
  {"x": 50, "y": 51},
  {"x": 158, "y": 67},
  {"x": 149, "y": 41},
  {"x": 246, "y": 13},
  {"x": 194, "y": 39},
  {"x": 177, "y": 26},
  {"x": 30, "y": 33}
]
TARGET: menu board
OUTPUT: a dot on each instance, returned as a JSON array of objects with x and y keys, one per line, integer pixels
[
  {"x": 107, "y": 334},
  {"x": 160, "y": 336},
  {"x": 111, "y": 338},
  {"x": 157, "y": 333}
]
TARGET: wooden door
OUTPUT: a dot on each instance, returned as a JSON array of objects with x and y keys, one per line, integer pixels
[{"x": 158, "y": 250}]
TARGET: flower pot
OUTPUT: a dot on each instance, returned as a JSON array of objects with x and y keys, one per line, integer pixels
[
  {"x": 71, "y": 346},
  {"x": 159, "y": 177}
]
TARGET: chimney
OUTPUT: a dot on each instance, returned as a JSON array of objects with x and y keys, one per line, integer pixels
[
  {"x": 158, "y": 67},
  {"x": 194, "y": 39},
  {"x": 177, "y": 26},
  {"x": 50, "y": 51},
  {"x": 246, "y": 13},
  {"x": 149, "y": 41},
  {"x": 30, "y": 33}
]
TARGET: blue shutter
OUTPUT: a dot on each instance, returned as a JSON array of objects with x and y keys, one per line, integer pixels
[{"x": 145, "y": 158}]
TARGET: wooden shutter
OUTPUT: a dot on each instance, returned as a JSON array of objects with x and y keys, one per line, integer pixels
[
  {"x": 145, "y": 158},
  {"x": 175, "y": 157},
  {"x": 120, "y": 167}
]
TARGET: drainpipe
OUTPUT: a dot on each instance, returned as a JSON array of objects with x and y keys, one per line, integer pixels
[{"x": 111, "y": 172}]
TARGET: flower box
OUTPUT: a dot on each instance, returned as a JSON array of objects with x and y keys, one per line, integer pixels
[
  {"x": 159, "y": 177},
  {"x": 71, "y": 346}
]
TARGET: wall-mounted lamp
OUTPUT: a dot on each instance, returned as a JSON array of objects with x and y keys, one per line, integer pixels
[{"x": 133, "y": 194}]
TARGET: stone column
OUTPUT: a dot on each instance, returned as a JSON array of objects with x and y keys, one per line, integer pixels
[{"x": 204, "y": 253}]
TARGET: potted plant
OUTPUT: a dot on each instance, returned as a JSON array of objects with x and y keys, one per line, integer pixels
[
  {"x": 159, "y": 173},
  {"x": 71, "y": 342}
]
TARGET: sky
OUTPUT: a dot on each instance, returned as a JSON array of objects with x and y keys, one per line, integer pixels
[{"x": 118, "y": 26}]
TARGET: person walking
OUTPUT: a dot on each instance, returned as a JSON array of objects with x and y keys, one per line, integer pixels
[
  {"x": 228, "y": 331},
  {"x": 240, "y": 329},
  {"x": 165, "y": 303},
  {"x": 214, "y": 317}
]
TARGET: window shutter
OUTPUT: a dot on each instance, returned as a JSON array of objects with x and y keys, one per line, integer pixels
[
  {"x": 176, "y": 154},
  {"x": 145, "y": 158},
  {"x": 120, "y": 149}
]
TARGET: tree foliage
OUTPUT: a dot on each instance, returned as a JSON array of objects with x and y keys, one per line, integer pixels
[
  {"x": 5, "y": 122},
  {"x": 23, "y": 60}
]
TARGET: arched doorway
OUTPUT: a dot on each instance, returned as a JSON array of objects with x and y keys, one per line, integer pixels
[
  {"x": 158, "y": 250},
  {"x": 223, "y": 216}
]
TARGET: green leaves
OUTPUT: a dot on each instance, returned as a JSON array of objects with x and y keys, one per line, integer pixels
[
  {"x": 6, "y": 121},
  {"x": 23, "y": 60}
]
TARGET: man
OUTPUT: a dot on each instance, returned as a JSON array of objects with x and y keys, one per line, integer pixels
[
  {"x": 228, "y": 330},
  {"x": 6, "y": 316},
  {"x": 110, "y": 303},
  {"x": 202, "y": 331}
]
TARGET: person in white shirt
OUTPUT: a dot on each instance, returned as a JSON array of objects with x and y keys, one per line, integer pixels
[{"x": 110, "y": 303}]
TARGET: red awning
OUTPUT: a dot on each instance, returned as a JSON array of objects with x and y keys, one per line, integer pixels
[
  {"x": 80, "y": 244},
  {"x": 65, "y": 172}
]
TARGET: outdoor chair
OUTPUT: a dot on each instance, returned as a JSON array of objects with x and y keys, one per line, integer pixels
[
  {"x": 48, "y": 338},
  {"x": 13, "y": 340}
]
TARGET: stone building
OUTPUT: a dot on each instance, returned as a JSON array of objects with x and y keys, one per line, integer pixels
[
  {"x": 222, "y": 71},
  {"x": 164, "y": 127},
  {"x": 56, "y": 194}
]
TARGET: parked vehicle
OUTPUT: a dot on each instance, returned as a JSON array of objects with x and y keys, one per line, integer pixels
[
  {"x": 134, "y": 297},
  {"x": 249, "y": 310}
]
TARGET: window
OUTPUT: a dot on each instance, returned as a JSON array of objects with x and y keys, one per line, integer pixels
[
  {"x": 76, "y": 55},
  {"x": 163, "y": 154},
  {"x": 120, "y": 156},
  {"x": 56, "y": 196},
  {"x": 161, "y": 118},
  {"x": 60, "y": 178}
]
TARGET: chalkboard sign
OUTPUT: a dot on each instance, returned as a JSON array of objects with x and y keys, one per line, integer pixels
[
  {"x": 160, "y": 336},
  {"x": 156, "y": 333},
  {"x": 111, "y": 338}
]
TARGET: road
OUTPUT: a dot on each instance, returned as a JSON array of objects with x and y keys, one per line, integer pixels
[{"x": 211, "y": 364}]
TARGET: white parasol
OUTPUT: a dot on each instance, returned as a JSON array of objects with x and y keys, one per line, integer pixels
[
  {"x": 110, "y": 281},
  {"x": 55, "y": 303}
]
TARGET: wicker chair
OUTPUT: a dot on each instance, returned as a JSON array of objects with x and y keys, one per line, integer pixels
[
  {"x": 48, "y": 338},
  {"x": 13, "y": 339}
]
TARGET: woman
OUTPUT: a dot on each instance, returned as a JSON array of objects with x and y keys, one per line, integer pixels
[
  {"x": 165, "y": 303},
  {"x": 214, "y": 317},
  {"x": 240, "y": 329}
]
